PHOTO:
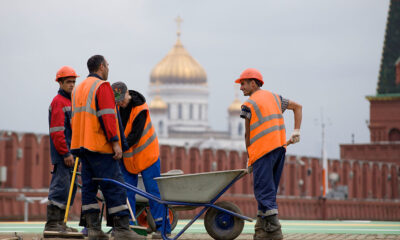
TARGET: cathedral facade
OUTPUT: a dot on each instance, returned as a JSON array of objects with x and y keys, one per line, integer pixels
[{"x": 179, "y": 105}]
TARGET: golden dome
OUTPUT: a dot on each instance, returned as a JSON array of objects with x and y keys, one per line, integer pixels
[
  {"x": 236, "y": 106},
  {"x": 158, "y": 103},
  {"x": 178, "y": 67}
]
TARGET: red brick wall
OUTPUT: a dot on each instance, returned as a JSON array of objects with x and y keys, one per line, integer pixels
[{"x": 369, "y": 171}]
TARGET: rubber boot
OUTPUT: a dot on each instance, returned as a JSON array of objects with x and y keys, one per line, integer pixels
[
  {"x": 272, "y": 227},
  {"x": 94, "y": 227},
  {"x": 122, "y": 230},
  {"x": 53, "y": 216},
  {"x": 259, "y": 232},
  {"x": 61, "y": 222}
]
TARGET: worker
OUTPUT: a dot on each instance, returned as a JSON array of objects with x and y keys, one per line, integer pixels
[
  {"x": 266, "y": 147},
  {"x": 143, "y": 155},
  {"x": 96, "y": 140},
  {"x": 61, "y": 156}
]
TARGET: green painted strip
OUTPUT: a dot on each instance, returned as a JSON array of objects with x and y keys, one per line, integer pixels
[{"x": 288, "y": 227}]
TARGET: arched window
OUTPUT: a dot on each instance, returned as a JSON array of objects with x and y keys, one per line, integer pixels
[
  {"x": 394, "y": 135},
  {"x": 161, "y": 127},
  {"x": 240, "y": 129}
]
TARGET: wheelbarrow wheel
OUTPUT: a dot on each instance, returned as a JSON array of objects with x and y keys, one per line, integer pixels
[
  {"x": 145, "y": 219},
  {"x": 221, "y": 225},
  {"x": 173, "y": 218},
  {"x": 142, "y": 218}
]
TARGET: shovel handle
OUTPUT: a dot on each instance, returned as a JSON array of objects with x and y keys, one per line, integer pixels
[
  {"x": 130, "y": 210},
  {"x": 71, "y": 188}
]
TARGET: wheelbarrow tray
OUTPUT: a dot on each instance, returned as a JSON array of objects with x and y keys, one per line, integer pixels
[
  {"x": 195, "y": 188},
  {"x": 140, "y": 199}
]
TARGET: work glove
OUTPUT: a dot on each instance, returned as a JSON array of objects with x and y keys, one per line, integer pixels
[{"x": 295, "y": 138}]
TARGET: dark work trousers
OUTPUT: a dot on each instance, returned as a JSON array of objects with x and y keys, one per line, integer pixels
[
  {"x": 59, "y": 186},
  {"x": 151, "y": 187},
  {"x": 267, "y": 172},
  {"x": 102, "y": 166}
]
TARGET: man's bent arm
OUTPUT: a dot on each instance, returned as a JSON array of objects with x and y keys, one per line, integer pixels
[{"x": 298, "y": 115}]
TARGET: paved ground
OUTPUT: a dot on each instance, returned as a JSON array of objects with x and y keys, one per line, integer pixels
[
  {"x": 290, "y": 236},
  {"x": 299, "y": 230}
]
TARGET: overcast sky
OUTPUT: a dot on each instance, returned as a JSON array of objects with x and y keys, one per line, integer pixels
[{"x": 324, "y": 55}]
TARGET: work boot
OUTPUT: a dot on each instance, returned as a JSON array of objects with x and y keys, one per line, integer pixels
[
  {"x": 268, "y": 228},
  {"x": 94, "y": 227},
  {"x": 61, "y": 222},
  {"x": 272, "y": 227},
  {"x": 122, "y": 230},
  {"x": 259, "y": 232},
  {"x": 53, "y": 216}
]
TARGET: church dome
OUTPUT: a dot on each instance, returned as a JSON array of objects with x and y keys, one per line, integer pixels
[
  {"x": 236, "y": 106},
  {"x": 178, "y": 67},
  {"x": 158, "y": 104}
]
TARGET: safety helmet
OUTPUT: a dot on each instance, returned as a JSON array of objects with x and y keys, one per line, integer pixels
[
  {"x": 65, "y": 71},
  {"x": 250, "y": 73}
]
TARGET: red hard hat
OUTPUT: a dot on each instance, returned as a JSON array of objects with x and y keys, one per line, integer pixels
[
  {"x": 66, "y": 71},
  {"x": 250, "y": 73}
]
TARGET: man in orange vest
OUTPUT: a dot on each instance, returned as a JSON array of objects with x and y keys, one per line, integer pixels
[
  {"x": 266, "y": 147},
  {"x": 96, "y": 140},
  {"x": 143, "y": 153},
  {"x": 61, "y": 157}
]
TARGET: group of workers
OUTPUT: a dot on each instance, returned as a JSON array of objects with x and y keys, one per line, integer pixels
[
  {"x": 85, "y": 122},
  {"x": 109, "y": 129}
]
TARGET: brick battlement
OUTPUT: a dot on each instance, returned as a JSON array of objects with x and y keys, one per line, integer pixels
[{"x": 27, "y": 158}]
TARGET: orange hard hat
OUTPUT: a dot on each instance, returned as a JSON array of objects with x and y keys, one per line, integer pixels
[
  {"x": 65, "y": 71},
  {"x": 250, "y": 73}
]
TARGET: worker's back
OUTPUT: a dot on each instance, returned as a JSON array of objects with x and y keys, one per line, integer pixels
[{"x": 87, "y": 132}]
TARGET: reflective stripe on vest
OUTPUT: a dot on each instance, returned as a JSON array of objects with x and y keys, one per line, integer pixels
[
  {"x": 261, "y": 119},
  {"x": 87, "y": 107},
  {"x": 146, "y": 152},
  {"x": 147, "y": 143},
  {"x": 87, "y": 131},
  {"x": 267, "y": 128}
]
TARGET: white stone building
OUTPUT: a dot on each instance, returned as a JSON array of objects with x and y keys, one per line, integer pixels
[{"x": 179, "y": 105}]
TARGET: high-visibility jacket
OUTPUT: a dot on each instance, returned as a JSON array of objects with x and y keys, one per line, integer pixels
[
  {"x": 87, "y": 132},
  {"x": 267, "y": 127},
  {"x": 146, "y": 151}
]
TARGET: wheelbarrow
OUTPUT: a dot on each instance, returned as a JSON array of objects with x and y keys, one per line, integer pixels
[{"x": 223, "y": 220}]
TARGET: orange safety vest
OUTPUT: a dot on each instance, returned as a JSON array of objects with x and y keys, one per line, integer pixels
[
  {"x": 267, "y": 127},
  {"x": 87, "y": 132},
  {"x": 144, "y": 153}
]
